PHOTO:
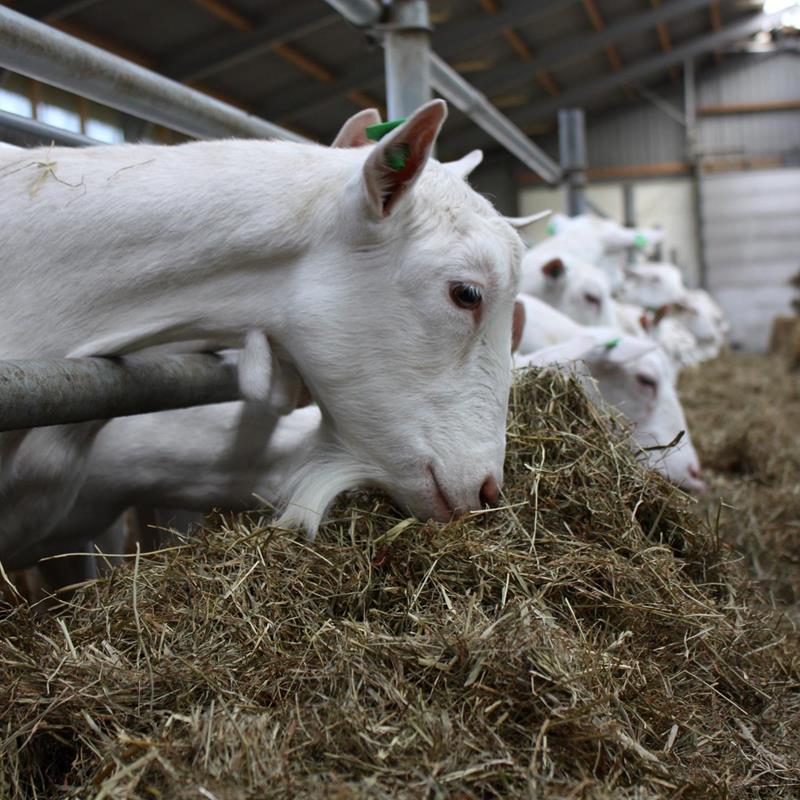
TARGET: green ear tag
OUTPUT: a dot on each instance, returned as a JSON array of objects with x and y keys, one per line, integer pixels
[
  {"x": 551, "y": 229},
  {"x": 610, "y": 345},
  {"x": 377, "y": 131},
  {"x": 397, "y": 156},
  {"x": 640, "y": 240}
]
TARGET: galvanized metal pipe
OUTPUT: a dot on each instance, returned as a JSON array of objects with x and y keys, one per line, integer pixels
[
  {"x": 467, "y": 99},
  {"x": 46, "y": 54},
  {"x": 42, "y": 392},
  {"x": 572, "y": 151},
  {"x": 453, "y": 88},
  {"x": 693, "y": 157},
  {"x": 629, "y": 214},
  {"x": 363, "y": 13},
  {"x": 407, "y": 47},
  {"x": 25, "y": 132}
]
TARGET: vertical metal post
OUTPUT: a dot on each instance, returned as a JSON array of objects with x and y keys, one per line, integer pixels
[
  {"x": 407, "y": 44},
  {"x": 572, "y": 151},
  {"x": 689, "y": 104},
  {"x": 629, "y": 207},
  {"x": 629, "y": 204},
  {"x": 692, "y": 156}
]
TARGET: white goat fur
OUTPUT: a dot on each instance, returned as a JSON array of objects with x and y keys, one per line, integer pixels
[
  {"x": 602, "y": 242},
  {"x": 653, "y": 285},
  {"x": 575, "y": 287},
  {"x": 229, "y": 455},
  {"x": 632, "y": 376},
  {"x": 345, "y": 264},
  {"x": 704, "y": 319}
]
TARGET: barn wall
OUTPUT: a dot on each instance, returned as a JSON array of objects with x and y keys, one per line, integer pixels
[
  {"x": 644, "y": 135},
  {"x": 641, "y": 134},
  {"x": 752, "y": 246},
  {"x": 751, "y": 79},
  {"x": 748, "y": 223}
]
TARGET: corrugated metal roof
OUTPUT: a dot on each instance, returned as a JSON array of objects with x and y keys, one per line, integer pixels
[{"x": 305, "y": 79}]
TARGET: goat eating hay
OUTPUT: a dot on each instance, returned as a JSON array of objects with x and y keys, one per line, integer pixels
[{"x": 589, "y": 638}]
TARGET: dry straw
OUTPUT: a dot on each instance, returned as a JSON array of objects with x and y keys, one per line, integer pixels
[
  {"x": 744, "y": 412},
  {"x": 590, "y": 639}
]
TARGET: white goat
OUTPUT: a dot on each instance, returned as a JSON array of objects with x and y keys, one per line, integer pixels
[
  {"x": 700, "y": 314},
  {"x": 630, "y": 318},
  {"x": 334, "y": 253},
  {"x": 228, "y": 455},
  {"x": 631, "y": 374},
  {"x": 602, "y": 242},
  {"x": 653, "y": 285},
  {"x": 577, "y": 288}
]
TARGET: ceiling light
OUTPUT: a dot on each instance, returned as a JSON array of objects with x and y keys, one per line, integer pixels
[{"x": 791, "y": 8}]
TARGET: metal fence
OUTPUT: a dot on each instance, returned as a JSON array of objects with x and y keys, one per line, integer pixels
[{"x": 98, "y": 389}]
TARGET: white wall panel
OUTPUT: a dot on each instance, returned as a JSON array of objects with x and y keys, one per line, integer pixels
[
  {"x": 752, "y": 244},
  {"x": 666, "y": 203}
]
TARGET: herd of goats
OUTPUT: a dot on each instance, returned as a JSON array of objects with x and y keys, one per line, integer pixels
[{"x": 371, "y": 300}]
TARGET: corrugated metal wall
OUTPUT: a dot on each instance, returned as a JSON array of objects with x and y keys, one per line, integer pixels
[
  {"x": 751, "y": 219},
  {"x": 751, "y": 79},
  {"x": 646, "y": 135},
  {"x": 752, "y": 247},
  {"x": 640, "y": 135}
]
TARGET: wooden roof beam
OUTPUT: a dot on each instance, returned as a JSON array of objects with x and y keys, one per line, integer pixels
[
  {"x": 715, "y": 18},
  {"x": 611, "y": 52},
  {"x": 665, "y": 41},
  {"x": 223, "y": 12},
  {"x": 543, "y": 77},
  {"x": 287, "y": 52}
]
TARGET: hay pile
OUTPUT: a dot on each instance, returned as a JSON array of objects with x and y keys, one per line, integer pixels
[
  {"x": 744, "y": 414},
  {"x": 590, "y": 640}
]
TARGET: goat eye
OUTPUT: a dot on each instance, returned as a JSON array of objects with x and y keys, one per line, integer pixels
[
  {"x": 647, "y": 382},
  {"x": 466, "y": 295},
  {"x": 592, "y": 299}
]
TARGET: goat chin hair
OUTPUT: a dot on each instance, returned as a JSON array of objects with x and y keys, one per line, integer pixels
[{"x": 315, "y": 485}]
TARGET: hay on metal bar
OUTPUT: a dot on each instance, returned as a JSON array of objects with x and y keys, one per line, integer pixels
[{"x": 591, "y": 638}]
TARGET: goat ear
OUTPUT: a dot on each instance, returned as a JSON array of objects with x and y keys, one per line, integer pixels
[
  {"x": 621, "y": 350},
  {"x": 661, "y": 312},
  {"x": 517, "y": 325},
  {"x": 521, "y": 224},
  {"x": 397, "y": 161},
  {"x": 465, "y": 165},
  {"x": 554, "y": 268},
  {"x": 354, "y": 132},
  {"x": 565, "y": 353}
]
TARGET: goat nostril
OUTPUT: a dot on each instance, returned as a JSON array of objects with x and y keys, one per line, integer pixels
[
  {"x": 695, "y": 472},
  {"x": 490, "y": 492}
]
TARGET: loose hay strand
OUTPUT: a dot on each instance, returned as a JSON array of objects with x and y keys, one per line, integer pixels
[{"x": 591, "y": 638}]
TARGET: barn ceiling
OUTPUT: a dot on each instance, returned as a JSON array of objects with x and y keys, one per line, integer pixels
[{"x": 298, "y": 63}]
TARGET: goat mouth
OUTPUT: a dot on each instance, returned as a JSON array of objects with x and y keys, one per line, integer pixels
[
  {"x": 696, "y": 486},
  {"x": 440, "y": 496}
]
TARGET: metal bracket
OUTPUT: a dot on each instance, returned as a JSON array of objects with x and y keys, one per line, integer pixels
[
  {"x": 662, "y": 105},
  {"x": 404, "y": 15}
]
